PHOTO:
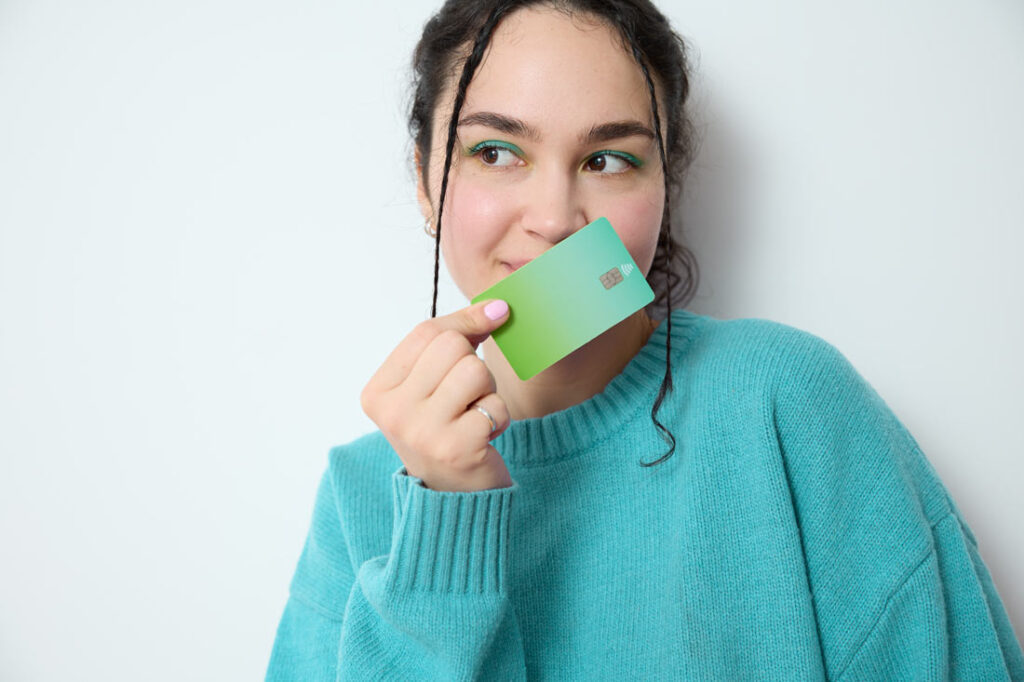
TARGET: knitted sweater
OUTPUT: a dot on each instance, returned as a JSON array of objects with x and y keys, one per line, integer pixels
[{"x": 797, "y": 533}]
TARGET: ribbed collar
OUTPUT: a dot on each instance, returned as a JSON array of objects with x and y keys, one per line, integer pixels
[{"x": 631, "y": 393}]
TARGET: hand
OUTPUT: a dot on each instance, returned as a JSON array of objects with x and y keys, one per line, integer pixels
[{"x": 422, "y": 400}]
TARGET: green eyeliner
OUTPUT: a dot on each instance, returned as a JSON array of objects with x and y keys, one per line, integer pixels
[
  {"x": 495, "y": 143},
  {"x": 611, "y": 152},
  {"x": 519, "y": 152}
]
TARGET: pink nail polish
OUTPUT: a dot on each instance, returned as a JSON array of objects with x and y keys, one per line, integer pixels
[{"x": 495, "y": 309}]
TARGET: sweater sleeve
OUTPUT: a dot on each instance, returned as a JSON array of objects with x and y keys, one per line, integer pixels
[
  {"x": 899, "y": 587},
  {"x": 945, "y": 621},
  {"x": 435, "y": 607}
]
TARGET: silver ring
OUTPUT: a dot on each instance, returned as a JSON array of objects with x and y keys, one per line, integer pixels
[{"x": 487, "y": 414}]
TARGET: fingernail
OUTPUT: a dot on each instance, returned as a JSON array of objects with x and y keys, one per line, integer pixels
[{"x": 495, "y": 310}]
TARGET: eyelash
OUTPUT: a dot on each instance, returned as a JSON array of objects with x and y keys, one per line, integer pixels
[{"x": 630, "y": 160}]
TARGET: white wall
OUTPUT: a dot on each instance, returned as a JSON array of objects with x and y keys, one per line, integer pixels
[{"x": 209, "y": 241}]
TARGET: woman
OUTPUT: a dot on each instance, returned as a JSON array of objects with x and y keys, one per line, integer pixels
[{"x": 789, "y": 527}]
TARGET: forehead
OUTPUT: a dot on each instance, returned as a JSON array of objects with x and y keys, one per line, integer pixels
[{"x": 558, "y": 72}]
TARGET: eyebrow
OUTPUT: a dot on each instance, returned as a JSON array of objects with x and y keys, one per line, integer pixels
[{"x": 604, "y": 132}]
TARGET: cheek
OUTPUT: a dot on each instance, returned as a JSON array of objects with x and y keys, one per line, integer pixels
[
  {"x": 637, "y": 221},
  {"x": 474, "y": 221}
]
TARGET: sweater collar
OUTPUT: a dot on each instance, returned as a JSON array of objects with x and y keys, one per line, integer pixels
[{"x": 629, "y": 395}]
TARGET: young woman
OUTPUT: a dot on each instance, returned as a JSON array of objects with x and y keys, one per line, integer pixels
[{"x": 788, "y": 527}]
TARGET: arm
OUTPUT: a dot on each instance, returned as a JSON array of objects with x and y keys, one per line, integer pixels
[
  {"x": 899, "y": 589},
  {"x": 945, "y": 621},
  {"x": 436, "y": 607}
]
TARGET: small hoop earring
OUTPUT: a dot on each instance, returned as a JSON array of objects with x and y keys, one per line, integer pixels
[{"x": 426, "y": 228}]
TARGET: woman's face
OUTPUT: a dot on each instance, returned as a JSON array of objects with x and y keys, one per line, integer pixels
[{"x": 555, "y": 132}]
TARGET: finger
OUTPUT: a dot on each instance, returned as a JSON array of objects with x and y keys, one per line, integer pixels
[
  {"x": 471, "y": 321},
  {"x": 475, "y": 321},
  {"x": 468, "y": 381},
  {"x": 473, "y": 424},
  {"x": 400, "y": 361},
  {"x": 434, "y": 364}
]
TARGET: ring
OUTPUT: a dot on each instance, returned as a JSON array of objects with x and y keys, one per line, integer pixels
[{"x": 487, "y": 414}]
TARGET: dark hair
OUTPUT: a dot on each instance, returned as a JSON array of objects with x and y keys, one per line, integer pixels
[{"x": 462, "y": 29}]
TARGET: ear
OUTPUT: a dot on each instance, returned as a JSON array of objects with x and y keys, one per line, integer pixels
[{"x": 422, "y": 195}]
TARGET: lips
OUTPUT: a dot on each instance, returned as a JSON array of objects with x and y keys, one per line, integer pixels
[{"x": 516, "y": 264}]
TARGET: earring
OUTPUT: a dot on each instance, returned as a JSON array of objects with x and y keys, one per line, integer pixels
[{"x": 426, "y": 228}]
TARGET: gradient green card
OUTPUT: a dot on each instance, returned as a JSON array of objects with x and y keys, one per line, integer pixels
[{"x": 566, "y": 296}]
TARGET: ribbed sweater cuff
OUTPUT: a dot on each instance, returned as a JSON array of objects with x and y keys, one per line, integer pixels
[{"x": 445, "y": 541}]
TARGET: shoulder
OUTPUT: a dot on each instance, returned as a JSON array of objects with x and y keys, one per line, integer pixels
[
  {"x": 802, "y": 374},
  {"x": 833, "y": 429},
  {"x": 768, "y": 338},
  {"x": 364, "y": 459},
  {"x": 778, "y": 356},
  {"x": 809, "y": 391}
]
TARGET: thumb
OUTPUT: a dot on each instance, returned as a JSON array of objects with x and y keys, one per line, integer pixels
[{"x": 477, "y": 321}]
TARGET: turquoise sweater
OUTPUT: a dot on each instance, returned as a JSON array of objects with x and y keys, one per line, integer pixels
[{"x": 798, "y": 533}]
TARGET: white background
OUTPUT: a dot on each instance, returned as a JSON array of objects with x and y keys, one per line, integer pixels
[{"x": 209, "y": 241}]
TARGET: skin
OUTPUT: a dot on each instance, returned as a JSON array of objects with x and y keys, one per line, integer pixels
[{"x": 562, "y": 76}]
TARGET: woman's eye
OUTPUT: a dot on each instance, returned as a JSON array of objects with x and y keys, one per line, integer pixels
[
  {"x": 497, "y": 156},
  {"x": 608, "y": 163}
]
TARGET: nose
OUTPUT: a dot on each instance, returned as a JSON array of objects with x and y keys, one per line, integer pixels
[{"x": 552, "y": 206}]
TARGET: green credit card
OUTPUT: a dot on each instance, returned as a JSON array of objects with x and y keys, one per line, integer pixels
[{"x": 566, "y": 296}]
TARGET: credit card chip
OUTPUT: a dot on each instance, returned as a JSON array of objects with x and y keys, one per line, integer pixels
[{"x": 611, "y": 278}]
